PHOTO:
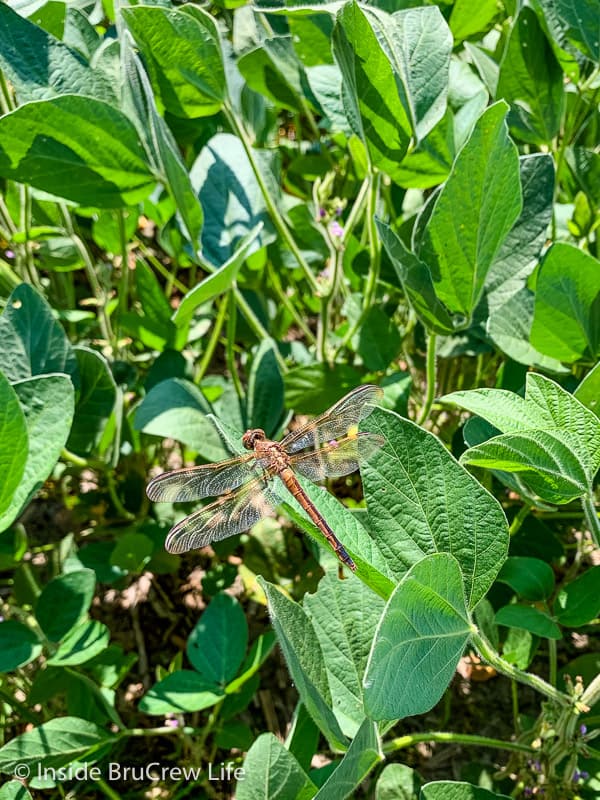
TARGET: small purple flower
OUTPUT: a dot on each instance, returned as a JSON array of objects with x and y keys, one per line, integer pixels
[
  {"x": 322, "y": 213},
  {"x": 1, "y": 618},
  {"x": 336, "y": 229},
  {"x": 583, "y": 730},
  {"x": 9, "y": 254},
  {"x": 528, "y": 791},
  {"x": 172, "y": 723},
  {"x": 338, "y": 211}
]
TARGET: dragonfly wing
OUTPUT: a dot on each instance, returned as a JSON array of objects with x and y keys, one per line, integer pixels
[
  {"x": 338, "y": 458},
  {"x": 337, "y": 422},
  {"x": 208, "y": 480},
  {"x": 233, "y": 513}
]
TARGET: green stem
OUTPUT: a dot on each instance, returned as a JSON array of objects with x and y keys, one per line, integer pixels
[
  {"x": 287, "y": 303},
  {"x": 514, "y": 693},
  {"x": 124, "y": 282},
  {"x": 591, "y": 695},
  {"x": 402, "y": 742},
  {"x": 591, "y": 517},
  {"x": 488, "y": 653},
  {"x": 229, "y": 347},
  {"x": 160, "y": 267},
  {"x": 107, "y": 790},
  {"x": 274, "y": 212},
  {"x": 520, "y": 516},
  {"x": 430, "y": 378},
  {"x": 212, "y": 342},
  {"x": 256, "y": 325},
  {"x": 552, "y": 661},
  {"x": 24, "y": 712}
]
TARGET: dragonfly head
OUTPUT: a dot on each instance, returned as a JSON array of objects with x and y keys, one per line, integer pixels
[{"x": 250, "y": 438}]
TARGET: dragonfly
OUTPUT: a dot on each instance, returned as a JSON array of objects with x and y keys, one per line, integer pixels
[{"x": 251, "y": 485}]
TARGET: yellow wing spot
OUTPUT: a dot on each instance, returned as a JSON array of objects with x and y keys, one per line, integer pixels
[{"x": 352, "y": 432}]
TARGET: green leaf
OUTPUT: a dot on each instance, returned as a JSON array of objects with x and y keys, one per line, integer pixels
[
  {"x": 578, "y": 602},
  {"x": 360, "y": 758},
  {"x": 415, "y": 494},
  {"x": 271, "y": 771},
  {"x": 467, "y": 19},
  {"x": 53, "y": 744},
  {"x": 303, "y": 736},
  {"x": 274, "y": 70},
  {"x": 39, "y": 66},
  {"x": 18, "y": 645},
  {"x": 529, "y": 619},
  {"x": 397, "y": 782},
  {"x": 421, "y": 636},
  {"x": 519, "y": 647},
  {"x": 64, "y": 601},
  {"x": 472, "y": 214},
  {"x": 33, "y": 342},
  {"x": 14, "y": 790},
  {"x": 576, "y": 22},
  {"x": 182, "y": 52},
  {"x": 176, "y": 408},
  {"x": 95, "y": 403},
  {"x": 180, "y": 692},
  {"x": 265, "y": 390},
  {"x": 305, "y": 660},
  {"x": 218, "y": 282},
  {"x": 231, "y": 197},
  {"x": 312, "y": 388},
  {"x": 588, "y": 391},
  {"x": 14, "y": 449},
  {"x": 81, "y": 644},
  {"x": 378, "y": 340},
  {"x": 47, "y": 402},
  {"x": 547, "y": 462},
  {"x": 344, "y": 615},
  {"x": 531, "y": 578},
  {"x": 217, "y": 645},
  {"x": 566, "y": 322},
  {"x": 259, "y": 652},
  {"x": 78, "y": 148},
  {"x": 456, "y": 790},
  {"x": 531, "y": 80},
  {"x": 132, "y": 552}
]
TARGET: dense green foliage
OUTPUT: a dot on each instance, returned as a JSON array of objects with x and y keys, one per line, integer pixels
[{"x": 213, "y": 217}]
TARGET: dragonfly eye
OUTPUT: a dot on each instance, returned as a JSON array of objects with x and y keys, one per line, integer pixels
[{"x": 250, "y": 438}]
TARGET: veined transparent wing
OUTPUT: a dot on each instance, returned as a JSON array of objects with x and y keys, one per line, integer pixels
[
  {"x": 207, "y": 480},
  {"x": 337, "y": 458},
  {"x": 230, "y": 514},
  {"x": 335, "y": 423}
]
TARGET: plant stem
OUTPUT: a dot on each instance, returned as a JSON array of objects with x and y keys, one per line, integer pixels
[
  {"x": 520, "y": 516},
  {"x": 229, "y": 354},
  {"x": 256, "y": 325},
  {"x": 287, "y": 303},
  {"x": 591, "y": 517},
  {"x": 160, "y": 267},
  {"x": 212, "y": 342},
  {"x": 274, "y": 212},
  {"x": 430, "y": 378},
  {"x": 552, "y": 661},
  {"x": 124, "y": 282},
  {"x": 488, "y": 653},
  {"x": 402, "y": 742}
]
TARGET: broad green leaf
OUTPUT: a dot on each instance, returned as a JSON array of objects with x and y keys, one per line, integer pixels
[
  {"x": 457, "y": 790},
  {"x": 397, "y": 782},
  {"x": 415, "y": 494},
  {"x": 260, "y": 650},
  {"x": 344, "y": 615},
  {"x": 78, "y": 148},
  {"x": 53, "y": 744},
  {"x": 530, "y": 619},
  {"x": 421, "y": 636},
  {"x": 303, "y": 736},
  {"x": 81, "y": 644},
  {"x": 47, "y": 402},
  {"x": 182, "y": 52},
  {"x": 64, "y": 601},
  {"x": 578, "y": 602},
  {"x": 531, "y": 578},
  {"x": 218, "y": 282},
  {"x": 372, "y": 91},
  {"x": 588, "y": 391},
  {"x": 312, "y": 388},
  {"x": 274, "y": 70},
  {"x": 180, "y": 692},
  {"x": 531, "y": 80},
  {"x": 18, "y": 645},
  {"x": 14, "y": 449},
  {"x": 546, "y": 462},
  {"x": 519, "y": 647},
  {"x": 231, "y": 198},
  {"x": 416, "y": 281},
  {"x": 14, "y": 790},
  {"x": 176, "y": 408},
  {"x": 95, "y": 403},
  {"x": 272, "y": 772},
  {"x": 566, "y": 322},
  {"x": 360, "y": 758},
  {"x": 265, "y": 390},
  {"x": 32, "y": 341},
  {"x": 40, "y": 66},
  {"x": 217, "y": 645},
  {"x": 305, "y": 661},
  {"x": 473, "y": 213},
  {"x": 371, "y": 563},
  {"x": 378, "y": 340},
  {"x": 467, "y": 19},
  {"x": 132, "y": 552},
  {"x": 578, "y": 22}
]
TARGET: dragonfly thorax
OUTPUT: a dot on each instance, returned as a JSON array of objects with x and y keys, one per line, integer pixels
[{"x": 250, "y": 438}]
